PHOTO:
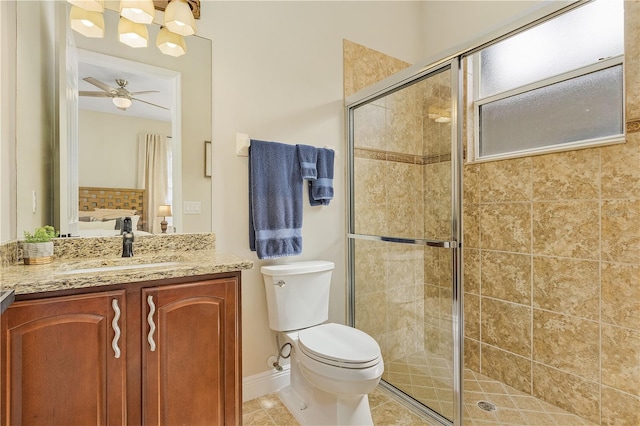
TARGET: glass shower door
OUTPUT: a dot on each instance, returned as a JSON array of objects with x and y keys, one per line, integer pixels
[{"x": 404, "y": 236}]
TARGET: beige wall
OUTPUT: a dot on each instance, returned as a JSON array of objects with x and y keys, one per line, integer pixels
[
  {"x": 108, "y": 151},
  {"x": 552, "y": 267}
]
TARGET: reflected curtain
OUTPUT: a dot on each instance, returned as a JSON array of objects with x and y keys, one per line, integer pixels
[{"x": 153, "y": 175}]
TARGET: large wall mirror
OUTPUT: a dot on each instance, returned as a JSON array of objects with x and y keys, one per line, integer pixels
[{"x": 175, "y": 104}]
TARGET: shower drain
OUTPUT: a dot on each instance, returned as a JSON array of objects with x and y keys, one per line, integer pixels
[{"x": 487, "y": 406}]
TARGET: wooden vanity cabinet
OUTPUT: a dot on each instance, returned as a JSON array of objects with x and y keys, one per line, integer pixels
[
  {"x": 61, "y": 368},
  {"x": 180, "y": 359}
]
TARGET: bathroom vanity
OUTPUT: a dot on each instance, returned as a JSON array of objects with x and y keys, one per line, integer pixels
[{"x": 154, "y": 340}]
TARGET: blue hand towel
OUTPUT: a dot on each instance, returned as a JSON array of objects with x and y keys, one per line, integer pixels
[
  {"x": 275, "y": 200},
  {"x": 321, "y": 189},
  {"x": 307, "y": 156}
]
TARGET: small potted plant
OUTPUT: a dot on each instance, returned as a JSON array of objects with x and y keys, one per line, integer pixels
[{"x": 37, "y": 248}]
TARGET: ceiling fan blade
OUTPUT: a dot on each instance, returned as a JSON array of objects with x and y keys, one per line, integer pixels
[
  {"x": 143, "y": 92},
  {"x": 155, "y": 105},
  {"x": 95, "y": 94},
  {"x": 99, "y": 84}
]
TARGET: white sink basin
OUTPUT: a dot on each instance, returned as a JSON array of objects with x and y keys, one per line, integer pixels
[{"x": 118, "y": 268}]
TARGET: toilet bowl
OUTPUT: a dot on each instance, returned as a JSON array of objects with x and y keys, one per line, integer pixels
[{"x": 333, "y": 366}]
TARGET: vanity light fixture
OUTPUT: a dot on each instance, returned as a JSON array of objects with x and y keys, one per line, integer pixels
[
  {"x": 132, "y": 34},
  {"x": 164, "y": 211},
  {"x": 89, "y": 5},
  {"x": 138, "y": 11},
  {"x": 178, "y": 17},
  {"x": 123, "y": 103},
  {"x": 87, "y": 23},
  {"x": 171, "y": 44}
]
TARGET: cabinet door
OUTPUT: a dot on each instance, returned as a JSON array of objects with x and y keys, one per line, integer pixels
[
  {"x": 191, "y": 359},
  {"x": 64, "y": 361}
]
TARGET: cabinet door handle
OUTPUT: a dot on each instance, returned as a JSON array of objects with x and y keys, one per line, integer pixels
[
  {"x": 152, "y": 326},
  {"x": 116, "y": 328}
]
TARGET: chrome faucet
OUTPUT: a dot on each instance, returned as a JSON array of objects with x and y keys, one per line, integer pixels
[{"x": 127, "y": 237}]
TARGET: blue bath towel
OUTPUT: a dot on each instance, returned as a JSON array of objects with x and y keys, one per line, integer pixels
[
  {"x": 321, "y": 189},
  {"x": 307, "y": 156},
  {"x": 275, "y": 200}
]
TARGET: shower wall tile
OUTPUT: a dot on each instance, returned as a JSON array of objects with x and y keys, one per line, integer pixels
[
  {"x": 363, "y": 66},
  {"x": 506, "y": 226},
  {"x": 370, "y": 182},
  {"x": 471, "y": 225},
  {"x": 619, "y": 409},
  {"x": 472, "y": 354},
  {"x": 369, "y": 128},
  {"x": 509, "y": 368},
  {"x": 567, "y": 391},
  {"x": 400, "y": 220},
  {"x": 472, "y": 316},
  {"x": 471, "y": 258},
  {"x": 506, "y": 326},
  {"x": 371, "y": 314},
  {"x": 370, "y": 219},
  {"x": 431, "y": 305},
  {"x": 621, "y": 295},
  {"x": 567, "y": 286},
  {"x": 404, "y": 132},
  {"x": 505, "y": 181},
  {"x": 566, "y": 343},
  {"x": 621, "y": 169},
  {"x": 506, "y": 276},
  {"x": 402, "y": 183},
  {"x": 567, "y": 229},
  {"x": 370, "y": 267},
  {"x": 572, "y": 175},
  {"x": 471, "y": 184},
  {"x": 620, "y": 353},
  {"x": 620, "y": 231}
]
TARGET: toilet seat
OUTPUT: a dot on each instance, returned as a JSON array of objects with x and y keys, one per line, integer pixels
[{"x": 339, "y": 345}]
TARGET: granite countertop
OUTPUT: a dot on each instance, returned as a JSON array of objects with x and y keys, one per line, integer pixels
[{"x": 76, "y": 273}]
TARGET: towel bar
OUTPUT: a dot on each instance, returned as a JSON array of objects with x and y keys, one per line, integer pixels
[{"x": 243, "y": 142}]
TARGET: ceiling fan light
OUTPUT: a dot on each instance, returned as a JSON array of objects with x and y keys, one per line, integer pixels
[
  {"x": 179, "y": 18},
  {"x": 89, "y": 24},
  {"x": 90, "y": 5},
  {"x": 122, "y": 103},
  {"x": 171, "y": 44},
  {"x": 139, "y": 11},
  {"x": 132, "y": 34}
]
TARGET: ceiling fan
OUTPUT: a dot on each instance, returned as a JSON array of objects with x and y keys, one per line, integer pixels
[{"x": 121, "y": 97}]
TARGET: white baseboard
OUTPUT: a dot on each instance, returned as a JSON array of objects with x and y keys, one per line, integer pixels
[{"x": 264, "y": 383}]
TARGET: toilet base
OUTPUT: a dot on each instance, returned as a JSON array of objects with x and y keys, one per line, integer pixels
[{"x": 327, "y": 409}]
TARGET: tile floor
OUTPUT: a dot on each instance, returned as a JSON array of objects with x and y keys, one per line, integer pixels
[{"x": 513, "y": 408}]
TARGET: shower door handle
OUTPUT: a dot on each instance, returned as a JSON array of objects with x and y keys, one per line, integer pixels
[{"x": 413, "y": 241}]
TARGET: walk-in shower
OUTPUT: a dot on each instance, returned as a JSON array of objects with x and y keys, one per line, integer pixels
[{"x": 550, "y": 243}]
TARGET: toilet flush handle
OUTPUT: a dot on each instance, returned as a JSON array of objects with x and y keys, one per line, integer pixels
[{"x": 279, "y": 283}]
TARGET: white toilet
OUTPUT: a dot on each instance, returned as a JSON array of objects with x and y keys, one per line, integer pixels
[{"x": 333, "y": 366}]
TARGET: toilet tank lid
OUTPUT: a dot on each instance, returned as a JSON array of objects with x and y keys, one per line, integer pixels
[{"x": 295, "y": 268}]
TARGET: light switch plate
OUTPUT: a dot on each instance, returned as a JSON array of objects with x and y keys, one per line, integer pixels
[{"x": 191, "y": 207}]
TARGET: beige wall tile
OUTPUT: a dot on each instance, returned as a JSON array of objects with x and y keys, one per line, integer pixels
[
  {"x": 621, "y": 359},
  {"x": 403, "y": 183},
  {"x": 404, "y": 132},
  {"x": 370, "y": 219},
  {"x": 471, "y": 183},
  {"x": 471, "y": 274},
  {"x": 506, "y": 326},
  {"x": 621, "y": 168},
  {"x": 572, "y": 175},
  {"x": 369, "y": 128},
  {"x": 472, "y": 354},
  {"x": 506, "y": 276},
  {"x": 567, "y": 391},
  {"x": 510, "y": 369},
  {"x": 369, "y": 182},
  {"x": 506, "y": 227},
  {"x": 566, "y": 286},
  {"x": 370, "y": 268},
  {"x": 567, "y": 229},
  {"x": 471, "y": 225},
  {"x": 371, "y": 314},
  {"x": 508, "y": 180},
  {"x": 472, "y": 316},
  {"x": 400, "y": 221},
  {"x": 621, "y": 231},
  {"x": 621, "y": 294},
  {"x": 619, "y": 409},
  {"x": 566, "y": 343}
]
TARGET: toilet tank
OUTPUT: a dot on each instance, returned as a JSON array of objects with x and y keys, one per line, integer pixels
[{"x": 297, "y": 294}]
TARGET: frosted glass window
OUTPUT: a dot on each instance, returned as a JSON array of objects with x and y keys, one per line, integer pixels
[
  {"x": 586, "y": 107},
  {"x": 570, "y": 41}
]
